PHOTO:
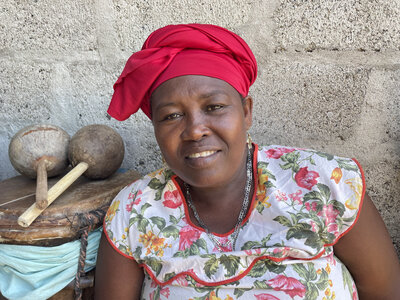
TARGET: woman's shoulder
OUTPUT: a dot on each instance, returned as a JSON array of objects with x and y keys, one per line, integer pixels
[
  {"x": 146, "y": 184},
  {"x": 296, "y": 159}
]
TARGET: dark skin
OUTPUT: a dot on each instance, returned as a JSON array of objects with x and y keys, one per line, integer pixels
[{"x": 192, "y": 111}]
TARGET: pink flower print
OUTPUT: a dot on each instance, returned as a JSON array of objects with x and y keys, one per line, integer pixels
[
  {"x": 306, "y": 179},
  {"x": 330, "y": 213},
  {"x": 134, "y": 195},
  {"x": 311, "y": 206},
  {"x": 253, "y": 251},
  {"x": 265, "y": 297},
  {"x": 288, "y": 285},
  {"x": 165, "y": 292},
  {"x": 283, "y": 251},
  {"x": 331, "y": 260},
  {"x": 333, "y": 228},
  {"x": 181, "y": 281},
  {"x": 188, "y": 235},
  {"x": 278, "y": 152},
  {"x": 296, "y": 197},
  {"x": 280, "y": 196},
  {"x": 172, "y": 199},
  {"x": 223, "y": 240},
  {"x": 314, "y": 226},
  {"x": 153, "y": 284},
  {"x": 137, "y": 200},
  {"x": 355, "y": 296}
]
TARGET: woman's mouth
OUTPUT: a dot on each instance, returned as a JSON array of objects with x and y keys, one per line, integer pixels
[{"x": 202, "y": 154}]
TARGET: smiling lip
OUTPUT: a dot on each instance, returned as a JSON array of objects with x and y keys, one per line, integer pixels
[{"x": 201, "y": 154}]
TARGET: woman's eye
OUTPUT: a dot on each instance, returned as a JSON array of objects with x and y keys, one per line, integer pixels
[
  {"x": 214, "y": 107},
  {"x": 172, "y": 116}
]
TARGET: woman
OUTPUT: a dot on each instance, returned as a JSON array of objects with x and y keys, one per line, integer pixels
[{"x": 227, "y": 219}]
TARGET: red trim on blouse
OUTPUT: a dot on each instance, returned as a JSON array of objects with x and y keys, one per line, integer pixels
[
  {"x": 255, "y": 181},
  {"x": 112, "y": 244},
  {"x": 222, "y": 282}
]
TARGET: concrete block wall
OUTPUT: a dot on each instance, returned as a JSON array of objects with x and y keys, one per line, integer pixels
[{"x": 329, "y": 74}]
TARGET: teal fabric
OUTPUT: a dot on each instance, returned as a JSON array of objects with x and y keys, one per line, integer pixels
[{"x": 33, "y": 272}]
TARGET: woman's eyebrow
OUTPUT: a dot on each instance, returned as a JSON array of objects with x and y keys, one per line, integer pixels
[{"x": 212, "y": 93}]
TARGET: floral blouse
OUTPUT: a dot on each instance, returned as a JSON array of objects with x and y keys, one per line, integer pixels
[{"x": 305, "y": 201}]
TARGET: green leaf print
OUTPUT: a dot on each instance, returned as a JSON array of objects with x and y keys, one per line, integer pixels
[
  {"x": 324, "y": 155},
  {"x": 314, "y": 241},
  {"x": 156, "y": 295},
  {"x": 323, "y": 281},
  {"x": 283, "y": 220},
  {"x": 301, "y": 270},
  {"x": 173, "y": 220},
  {"x": 265, "y": 240},
  {"x": 262, "y": 266},
  {"x": 154, "y": 264},
  {"x": 201, "y": 243},
  {"x": 171, "y": 230},
  {"x": 158, "y": 195},
  {"x": 239, "y": 292},
  {"x": 168, "y": 276},
  {"x": 274, "y": 267},
  {"x": 261, "y": 285},
  {"x": 251, "y": 245},
  {"x": 211, "y": 266},
  {"x": 194, "y": 249},
  {"x": 312, "y": 292},
  {"x": 123, "y": 249},
  {"x": 155, "y": 184},
  {"x": 137, "y": 252},
  {"x": 258, "y": 269},
  {"x": 110, "y": 234},
  {"x": 230, "y": 263},
  {"x": 313, "y": 195},
  {"x": 338, "y": 206},
  {"x": 144, "y": 207},
  {"x": 291, "y": 161},
  {"x": 347, "y": 165},
  {"x": 347, "y": 280},
  {"x": 260, "y": 207},
  {"x": 160, "y": 222},
  {"x": 325, "y": 191},
  {"x": 299, "y": 231},
  {"x": 142, "y": 224},
  {"x": 264, "y": 167}
]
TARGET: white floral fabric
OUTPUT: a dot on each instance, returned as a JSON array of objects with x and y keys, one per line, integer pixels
[{"x": 305, "y": 200}]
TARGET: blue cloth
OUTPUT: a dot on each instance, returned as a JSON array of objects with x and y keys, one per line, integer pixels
[{"x": 33, "y": 272}]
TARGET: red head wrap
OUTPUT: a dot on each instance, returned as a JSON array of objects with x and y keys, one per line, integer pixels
[{"x": 176, "y": 50}]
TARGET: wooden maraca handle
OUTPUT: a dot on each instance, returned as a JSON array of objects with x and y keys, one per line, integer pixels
[
  {"x": 41, "y": 184},
  {"x": 56, "y": 190}
]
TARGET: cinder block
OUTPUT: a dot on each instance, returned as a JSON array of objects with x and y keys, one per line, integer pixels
[
  {"x": 307, "y": 104},
  {"x": 343, "y": 25},
  {"x": 54, "y": 25},
  {"x": 135, "y": 20},
  {"x": 24, "y": 92}
]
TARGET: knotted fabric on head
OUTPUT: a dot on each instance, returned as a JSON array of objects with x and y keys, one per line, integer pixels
[{"x": 177, "y": 50}]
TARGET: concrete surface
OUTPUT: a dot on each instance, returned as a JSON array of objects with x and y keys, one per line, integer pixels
[{"x": 329, "y": 74}]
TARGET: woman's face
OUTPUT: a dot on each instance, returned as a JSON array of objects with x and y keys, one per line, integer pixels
[{"x": 200, "y": 124}]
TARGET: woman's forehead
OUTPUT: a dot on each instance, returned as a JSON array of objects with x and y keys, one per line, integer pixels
[{"x": 193, "y": 85}]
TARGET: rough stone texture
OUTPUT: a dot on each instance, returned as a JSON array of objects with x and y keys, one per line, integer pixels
[
  {"x": 137, "y": 19},
  {"x": 329, "y": 75},
  {"x": 338, "y": 25},
  {"x": 47, "y": 24}
]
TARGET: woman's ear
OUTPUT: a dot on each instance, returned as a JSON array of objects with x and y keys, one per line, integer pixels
[{"x": 248, "y": 111}]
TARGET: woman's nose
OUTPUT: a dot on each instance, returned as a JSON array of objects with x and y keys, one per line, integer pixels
[{"x": 195, "y": 128}]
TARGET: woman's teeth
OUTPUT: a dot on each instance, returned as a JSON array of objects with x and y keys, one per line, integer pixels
[{"x": 201, "y": 154}]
